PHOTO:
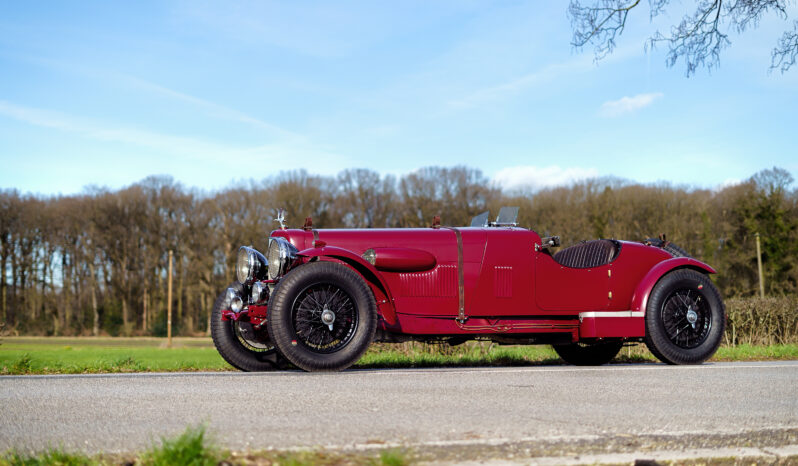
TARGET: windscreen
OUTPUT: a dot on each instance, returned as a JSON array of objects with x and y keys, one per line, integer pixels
[
  {"x": 480, "y": 220},
  {"x": 507, "y": 216}
]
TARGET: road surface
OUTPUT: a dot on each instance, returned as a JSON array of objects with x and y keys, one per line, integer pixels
[{"x": 448, "y": 406}]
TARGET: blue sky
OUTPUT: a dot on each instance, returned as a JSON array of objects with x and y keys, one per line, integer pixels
[{"x": 107, "y": 93}]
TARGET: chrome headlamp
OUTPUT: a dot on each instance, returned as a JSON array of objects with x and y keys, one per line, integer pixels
[
  {"x": 233, "y": 301},
  {"x": 280, "y": 256},
  {"x": 250, "y": 265},
  {"x": 260, "y": 293}
]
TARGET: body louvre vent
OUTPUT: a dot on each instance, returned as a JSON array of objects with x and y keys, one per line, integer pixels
[
  {"x": 438, "y": 282},
  {"x": 503, "y": 281}
]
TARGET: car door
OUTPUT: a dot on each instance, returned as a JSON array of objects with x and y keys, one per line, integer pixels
[{"x": 560, "y": 289}]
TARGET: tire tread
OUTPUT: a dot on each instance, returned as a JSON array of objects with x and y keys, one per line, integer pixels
[
  {"x": 659, "y": 344},
  {"x": 230, "y": 348},
  {"x": 279, "y": 318}
]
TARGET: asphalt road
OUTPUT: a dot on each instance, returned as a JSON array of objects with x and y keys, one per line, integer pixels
[{"x": 427, "y": 406}]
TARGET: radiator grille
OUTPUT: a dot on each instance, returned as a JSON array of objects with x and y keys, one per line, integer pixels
[{"x": 588, "y": 254}]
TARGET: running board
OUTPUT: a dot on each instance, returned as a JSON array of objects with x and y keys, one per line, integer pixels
[{"x": 612, "y": 324}]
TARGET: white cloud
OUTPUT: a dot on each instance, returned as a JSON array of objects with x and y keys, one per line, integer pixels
[
  {"x": 211, "y": 108},
  {"x": 191, "y": 149},
  {"x": 126, "y": 135},
  {"x": 532, "y": 178},
  {"x": 538, "y": 79},
  {"x": 626, "y": 105},
  {"x": 509, "y": 88}
]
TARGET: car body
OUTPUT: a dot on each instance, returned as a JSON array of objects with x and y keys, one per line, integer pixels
[{"x": 491, "y": 280}]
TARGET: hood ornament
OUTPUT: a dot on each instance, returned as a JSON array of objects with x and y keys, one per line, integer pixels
[{"x": 280, "y": 218}]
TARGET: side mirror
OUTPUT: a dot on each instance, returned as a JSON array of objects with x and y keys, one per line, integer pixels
[{"x": 548, "y": 242}]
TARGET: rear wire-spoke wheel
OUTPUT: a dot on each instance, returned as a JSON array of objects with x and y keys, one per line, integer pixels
[
  {"x": 322, "y": 316},
  {"x": 247, "y": 353},
  {"x": 685, "y": 318},
  {"x": 589, "y": 354}
]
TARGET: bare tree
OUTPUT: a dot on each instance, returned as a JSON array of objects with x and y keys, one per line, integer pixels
[
  {"x": 93, "y": 263},
  {"x": 698, "y": 39},
  {"x": 456, "y": 194},
  {"x": 363, "y": 199}
]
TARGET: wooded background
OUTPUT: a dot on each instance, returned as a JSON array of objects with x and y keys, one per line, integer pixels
[{"x": 96, "y": 263}]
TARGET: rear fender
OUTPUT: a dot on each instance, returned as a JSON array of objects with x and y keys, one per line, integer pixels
[
  {"x": 643, "y": 290},
  {"x": 365, "y": 269}
]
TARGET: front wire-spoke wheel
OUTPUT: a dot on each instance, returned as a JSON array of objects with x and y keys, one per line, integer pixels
[
  {"x": 325, "y": 318},
  {"x": 685, "y": 318},
  {"x": 322, "y": 316}
]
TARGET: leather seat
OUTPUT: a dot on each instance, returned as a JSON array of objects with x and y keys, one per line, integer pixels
[{"x": 588, "y": 254}]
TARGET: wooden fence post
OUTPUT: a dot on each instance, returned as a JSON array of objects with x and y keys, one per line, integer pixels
[
  {"x": 759, "y": 266},
  {"x": 169, "y": 303}
]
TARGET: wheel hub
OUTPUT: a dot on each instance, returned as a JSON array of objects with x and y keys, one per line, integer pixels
[
  {"x": 328, "y": 317},
  {"x": 692, "y": 316}
]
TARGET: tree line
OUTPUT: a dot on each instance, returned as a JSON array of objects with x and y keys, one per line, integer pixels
[{"x": 96, "y": 263}]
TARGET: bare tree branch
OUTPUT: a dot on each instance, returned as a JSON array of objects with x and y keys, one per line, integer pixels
[
  {"x": 599, "y": 24},
  {"x": 744, "y": 13},
  {"x": 698, "y": 39},
  {"x": 657, "y": 7},
  {"x": 786, "y": 51}
]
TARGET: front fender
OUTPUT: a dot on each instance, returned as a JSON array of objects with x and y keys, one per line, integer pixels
[
  {"x": 643, "y": 290},
  {"x": 368, "y": 271}
]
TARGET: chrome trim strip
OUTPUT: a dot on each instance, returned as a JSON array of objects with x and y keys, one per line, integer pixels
[
  {"x": 461, "y": 317},
  {"x": 583, "y": 315}
]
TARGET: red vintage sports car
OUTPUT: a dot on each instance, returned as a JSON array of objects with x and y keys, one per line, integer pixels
[{"x": 318, "y": 298}]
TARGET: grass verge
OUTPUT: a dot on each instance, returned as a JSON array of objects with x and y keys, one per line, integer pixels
[
  {"x": 193, "y": 448},
  {"x": 27, "y": 355},
  {"x": 109, "y": 355},
  {"x": 190, "y": 448},
  {"x": 486, "y": 354}
]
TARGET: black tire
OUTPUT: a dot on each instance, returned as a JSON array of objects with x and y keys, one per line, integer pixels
[
  {"x": 589, "y": 354},
  {"x": 685, "y": 318},
  {"x": 669, "y": 247},
  {"x": 243, "y": 354},
  {"x": 298, "y": 306}
]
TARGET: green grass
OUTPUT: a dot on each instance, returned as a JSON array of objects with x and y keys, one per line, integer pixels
[
  {"x": 468, "y": 354},
  {"x": 101, "y": 355},
  {"x": 53, "y": 457},
  {"x": 394, "y": 457},
  {"x": 104, "y": 355},
  {"x": 485, "y": 354},
  {"x": 192, "y": 448},
  {"x": 756, "y": 353},
  {"x": 189, "y": 449}
]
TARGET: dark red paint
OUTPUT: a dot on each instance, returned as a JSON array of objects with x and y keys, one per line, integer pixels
[{"x": 510, "y": 285}]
